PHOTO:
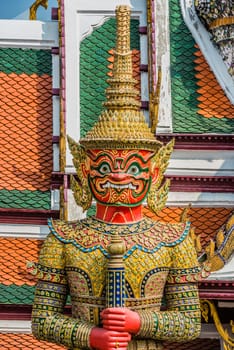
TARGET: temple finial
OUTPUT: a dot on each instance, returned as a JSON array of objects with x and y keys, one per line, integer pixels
[
  {"x": 122, "y": 93},
  {"x": 123, "y": 14}
]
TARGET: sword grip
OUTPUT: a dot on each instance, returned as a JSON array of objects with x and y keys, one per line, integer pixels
[{"x": 115, "y": 277}]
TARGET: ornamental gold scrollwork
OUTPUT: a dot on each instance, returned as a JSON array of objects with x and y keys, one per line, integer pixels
[
  {"x": 80, "y": 188},
  {"x": 158, "y": 195},
  {"x": 221, "y": 249},
  {"x": 154, "y": 90},
  {"x": 34, "y": 8},
  {"x": 208, "y": 308}
]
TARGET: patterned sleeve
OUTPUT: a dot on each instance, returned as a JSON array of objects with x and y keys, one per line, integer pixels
[
  {"x": 181, "y": 320},
  {"x": 48, "y": 320}
]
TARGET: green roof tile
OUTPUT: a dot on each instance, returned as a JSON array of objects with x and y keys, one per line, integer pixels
[
  {"x": 208, "y": 125},
  {"x": 25, "y": 199},
  {"x": 28, "y": 61},
  {"x": 19, "y": 295},
  {"x": 13, "y": 294}
]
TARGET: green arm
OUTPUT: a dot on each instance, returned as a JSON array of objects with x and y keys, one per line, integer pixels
[{"x": 48, "y": 319}]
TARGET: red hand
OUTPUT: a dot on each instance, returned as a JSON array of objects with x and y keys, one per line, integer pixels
[
  {"x": 103, "y": 339},
  {"x": 121, "y": 320}
]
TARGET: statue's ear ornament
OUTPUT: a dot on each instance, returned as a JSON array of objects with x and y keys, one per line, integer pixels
[
  {"x": 79, "y": 186},
  {"x": 157, "y": 196}
]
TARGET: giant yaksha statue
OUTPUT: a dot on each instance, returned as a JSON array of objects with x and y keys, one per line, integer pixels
[{"x": 117, "y": 265}]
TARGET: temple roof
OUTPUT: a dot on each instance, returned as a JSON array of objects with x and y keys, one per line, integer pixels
[
  {"x": 26, "y": 128},
  {"x": 212, "y": 101},
  {"x": 15, "y": 252},
  {"x": 16, "y": 285},
  {"x": 205, "y": 221},
  {"x": 12, "y": 341},
  {"x": 198, "y": 102}
]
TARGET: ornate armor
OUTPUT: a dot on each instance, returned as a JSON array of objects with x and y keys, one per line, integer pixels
[{"x": 160, "y": 266}]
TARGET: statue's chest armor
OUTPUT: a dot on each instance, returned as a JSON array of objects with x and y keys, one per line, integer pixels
[
  {"x": 147, "y": 260},
  {"x": 145, "y": 273}
]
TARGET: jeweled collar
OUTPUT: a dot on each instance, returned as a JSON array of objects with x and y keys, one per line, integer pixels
[
  {"x": 122, "y": 229},
  {"x": 147, "y": 235}
]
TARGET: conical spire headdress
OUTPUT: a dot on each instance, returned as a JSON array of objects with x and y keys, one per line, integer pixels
[{"x": 121, "y": 125}]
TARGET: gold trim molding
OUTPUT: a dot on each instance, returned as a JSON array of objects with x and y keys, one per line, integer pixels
[{"x": 209, "y": 309}]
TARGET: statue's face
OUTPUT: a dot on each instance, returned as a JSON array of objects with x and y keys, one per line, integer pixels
[{"x": 120, "y": 177}]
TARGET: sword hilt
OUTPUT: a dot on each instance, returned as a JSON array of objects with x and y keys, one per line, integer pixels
[{"x": 115, "y": 283}]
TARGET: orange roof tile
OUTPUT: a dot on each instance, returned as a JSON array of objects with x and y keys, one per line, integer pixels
[
  {"x": 11, "y": 341},
  {"x": 206, "y": 221},
  {"x": 25, "y": 132},
  {"x": 165, "y": 215},
  {"x": 212, "y": 100},
  {"x": 14, "y": 254}
]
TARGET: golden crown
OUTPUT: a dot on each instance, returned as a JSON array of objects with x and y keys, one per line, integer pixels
[{"x": 122, "y": 124}]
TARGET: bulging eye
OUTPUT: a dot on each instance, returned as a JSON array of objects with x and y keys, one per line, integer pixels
[
  {"x": 104, "y": 169},
  {"x": 133, "y": 170}
]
